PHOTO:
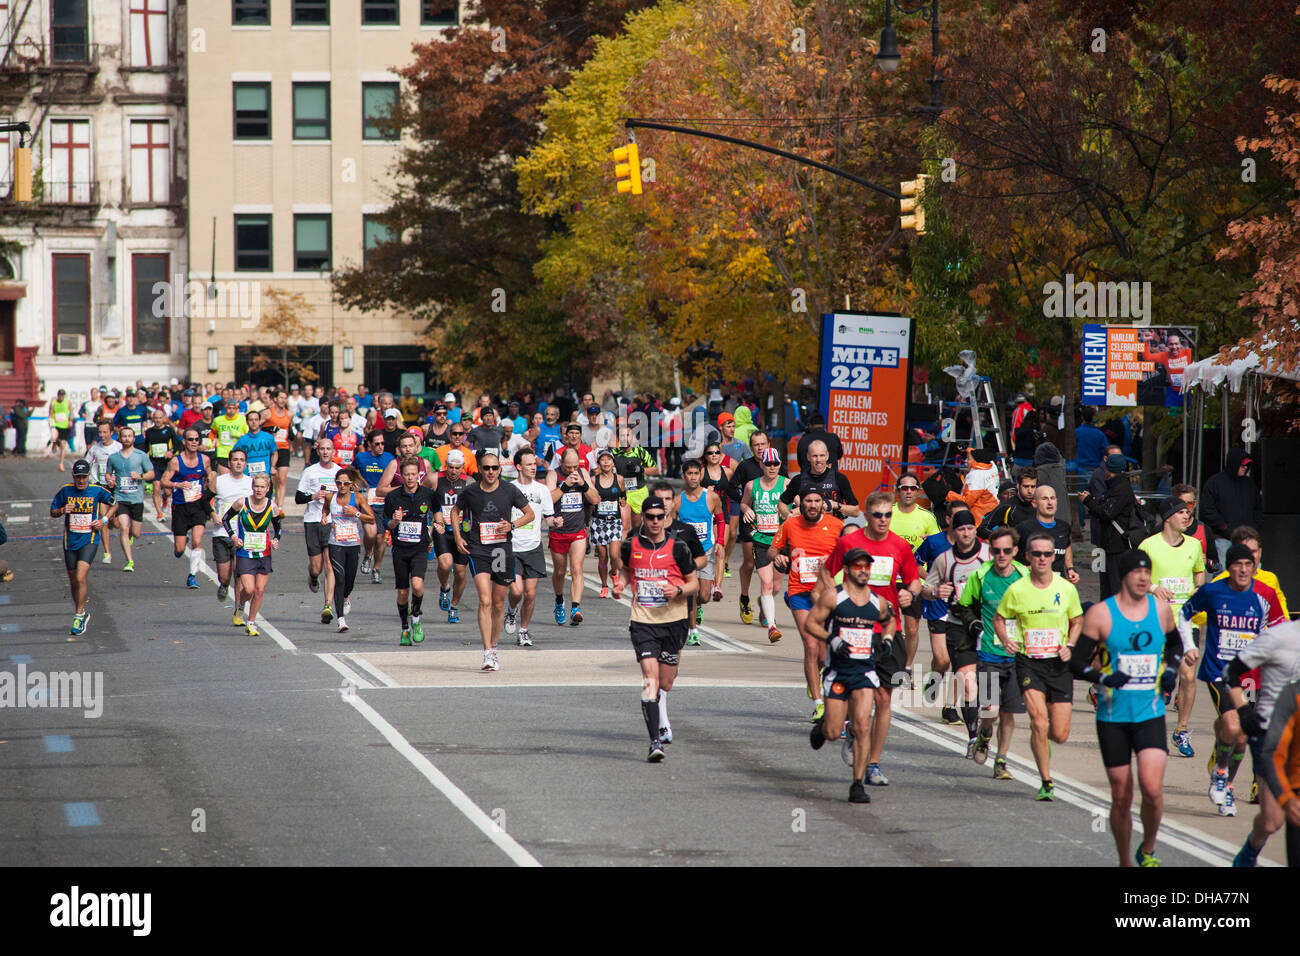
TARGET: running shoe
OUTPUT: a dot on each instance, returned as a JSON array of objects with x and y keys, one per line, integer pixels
[
  {"x": 666, "y": 735},
  {"x": 366, "y": 565},
  {"x": 347, "y": 606},
  {"x": 858, "y": 793},
  {"x": 79, "y": 622},
  {"x": 1219, "y": 787},
  {"x": 405, "y": 639},
  {"x": 876, "y": 777},
  {"x": 453, "y": 616},
  {"x": 819, "y": 711},
  {"x": 816, "y": 736},
  {"x": 1184, "y": 741},
  {"x": 560, "y": 614},
  {"x": 1228, "y": 808},
  {"x": 604, "y": 591},
  {"x": 523, "y": 640},
  {"x": 746, "y": 613},
  {"x": 192, "y": 583},
  {"x": 1144, "y": 858},
  {"x": 971, "y": 746},
  {"x": 313, "y": 582},
  {"x": 950, "y": 715},
  {"x": 1254, "y": 792},
  {"x": 1246, "y": 856},
  {"x": 576, "y": 617},
  {"x": 417, "y": 630},
  {"x": 846, "y": 750},
  {"x": 343, "y": 624},
  {"x": 656, "y": 753},
  {"x": 496, "y": 661},
  {"x": 1000, "y": 769},
  {"x": 237, "y": 620},
  {"x": 252, "y": 631},
  {"x": 699, "y": 616},
  {"x": 1047, "y": 791},
  {"x": 129, "y": 566},
  {"x": 444, "y": 600},
  {"x": 981, "y": 754},
  {"x": 717, "y": 594},
  {"x": 487, "y": 661},
  {"x": 726, "y": 570},
  {"x": 773, "y": 634},
  {"x": 376, "y": 577},
  {"x": 693, "y": 638},
  {"x": 907, "y": 678},
  {"x": 222, "y": 591},
  {"x": 1092, "y": 696},
  {"x": 326, "y": 614},
  {"x": 108, "y": 558},
  {"x": 762, "y": 615},
  {"x": 512, "y": 620}
]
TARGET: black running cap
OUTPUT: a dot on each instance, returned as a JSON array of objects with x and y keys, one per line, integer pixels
[
  {"x": 857, "y": 554},
  {"x": 654, "y": 503},
  {"x": 1238, "y": 552},
  {"x": 80, "y": 467},
  {"x": 1132, "y": 560}
]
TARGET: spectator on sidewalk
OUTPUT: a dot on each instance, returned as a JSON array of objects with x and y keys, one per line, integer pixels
[
  {"x": 1089, "y": 442},
  {"x": 1229, "y": 499},
  {"x": 1116, "y": 512}
]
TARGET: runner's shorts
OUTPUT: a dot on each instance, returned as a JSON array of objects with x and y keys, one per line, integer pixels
[
  {"x": 559, "y": 541},
  {"x": 998, "y": 686},
  {"x": 1050, "y": 676},
  {"x": 445, "y": 543},
  {"x": 797, "y": 602},
  {"x": 318, "y": 537},
  {"x": 85, "y": 553},
  {"x": 497, "y": 561},
  {"x": 663, "y": 642},
  {"x": 839, "y": 685},
  {"x": 132, "y": 509},
  {"x": 283, "y": 456},
  {"x": 606, "y": 530},
  {"x": 761, "y": 560},
  {"x": 1121, "y": 740},
  {"x": 223, "y": 549},
  {"x": 186, "y": 515},
  {"x": 409, "y": 563},
  {"x": 530, "y": 565},
  {"x": 248, "y": 565},
  {"x": 636, "y": 497}
]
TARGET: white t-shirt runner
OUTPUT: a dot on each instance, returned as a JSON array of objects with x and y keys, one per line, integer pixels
[
  {"x": 98, "y": 456},
  {"x": 230, "y": 489},
  {"x": 315, "y": 477},
  {"x": 529, "y": 537}
]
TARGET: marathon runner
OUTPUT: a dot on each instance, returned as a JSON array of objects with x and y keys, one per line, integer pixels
[
  {"x": 1048, "y": 619},
  {"x": 279, "y": 423},
  {"x": 228, "y": 491},
  {"x": 133, "y": 414},
  {"x": 258, "y": 446},
  {"x": 1136, "y": 639},
  {"x": 127, "y": 471},
  {"x": 228, "y": 427},
  {"x": 744, "y": 474},
  {"x": 511, "y": 443},
  {"x": 846, "y": 619},
  {"x": 606, "y": 527},
  {"x": 530, "y": 560},
  {"x": 702, "y": 510},
  {"x": 339, "y": 429},
  {"x": 186, "y": 477},
  {"x": 437, "y": 433},
  {"x": 253, "y": 524},
  {"x": 348, "y": 510},
  {"x": 98, "y": 454},
  {"x": 836, "y": 491},
  {"x": 449, "y": 487},
  {"x": 486, "y": 437},
  {"x": 914, "y": 524},
  {"x": 207, "y": 428},
  {"x": 548, "y": 436},
  {"x": 485, "y": 508},
  {"x": 161, "y": 442},
  {"x": 571, "y": 492},
  {"x": 409, "y": 510},
  {"x": 86, "y": 510},
  {"x": 661, "y": 573},
  {"x": 314, "y": 486},
  {"x": 635, "y": 464},
  {"x": 373, "y": 463},
  {"x": 716, "y": 477},
  {"x": 800, "y": 546},
  {"x": 61, "y": 425},
  {"x": 762, "y": 513}
]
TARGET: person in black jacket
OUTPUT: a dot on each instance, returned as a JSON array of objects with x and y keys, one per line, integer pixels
[
  {"x": 1230, "y": 499},
  {"x": 817, "y": 432},
  {"x": 1116, "y": 512},
  {"x": 1019, "y": 509}
]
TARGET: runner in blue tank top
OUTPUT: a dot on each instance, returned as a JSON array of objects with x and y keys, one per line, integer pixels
[
  {"x": 696, "y": 507},
  {"x": 1137, "y": 646},
  {"x": 372, "y": 462}
]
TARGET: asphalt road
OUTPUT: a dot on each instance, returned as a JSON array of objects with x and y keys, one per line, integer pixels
[{"x": 307, "y": 747}]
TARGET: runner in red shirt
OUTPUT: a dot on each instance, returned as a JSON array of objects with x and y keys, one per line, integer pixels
[
  {"x": 800, "y": 546},
  {"x": 892, "y": 565}
]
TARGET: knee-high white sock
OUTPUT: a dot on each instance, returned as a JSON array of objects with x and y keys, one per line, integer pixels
[
  {"x": 768, "y": 603},
  {"x": 663, "y": 708},
  {"x": 196, "y": 560}
]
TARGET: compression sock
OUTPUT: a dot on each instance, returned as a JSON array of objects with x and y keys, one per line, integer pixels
[
  {"x": 663, "y": 707},
  {"x": 768, "y": 603},
  {"x": 1222, "y": 755},
  {"x": 196, "y": 561},
  {"x": 417, "y": 604},
  {"x": 559, "y": 600},
  {"x": 404, "y": 613},
  {"x": 650, "y": 711},
  {"x": 1235, "y": 764},
  {"x": 971, "y": 714}
]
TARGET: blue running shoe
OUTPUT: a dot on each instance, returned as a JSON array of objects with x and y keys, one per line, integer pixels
[
  {"x": 192, "y": 583},
  {"x": 453, "y": 616},
  {"x": 560, "y": 614},
  {"x": 1246, "y": 856},
  {"x": 1183, "y": 739},
  {"x": 444, "y": 600}
]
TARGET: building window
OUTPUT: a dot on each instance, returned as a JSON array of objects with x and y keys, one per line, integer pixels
[
  {"x": 311, "y": 243},
  {"x": 253, "y": 243},
  {"x": 314, "y": 13},
  {"x": 69, "y": 32},
  {"x": 6, "y": 159},
  {"x": 376, "y": 13},
  {"x": 439, "y": 13},
  {"x": 69, "y": 178},
  {"x": 311, "y": 111},
  {"x": 72, "y": 295},
  {"x": 251, "y": 13},
  {"x": 151, "y": 163},
  {"x": 148, "y": 32},
  {"x": 152, "y": 331},
  {"x": 374, "y": 233},
  {"x": 252, "y": 111},
  {"x": 378, "y": 103}
]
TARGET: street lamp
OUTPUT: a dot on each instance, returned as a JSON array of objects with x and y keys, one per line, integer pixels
[{"x": 888, "y": 57}]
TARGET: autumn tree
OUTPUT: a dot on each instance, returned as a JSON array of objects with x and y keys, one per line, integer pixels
[{"x": 280, "y": 332}]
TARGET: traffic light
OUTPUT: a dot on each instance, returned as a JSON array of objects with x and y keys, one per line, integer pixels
[
  {"x": 914, "y": 214},
  {"x": 627, "y": 169}
]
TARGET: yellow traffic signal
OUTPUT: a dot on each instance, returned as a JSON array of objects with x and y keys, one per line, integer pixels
[
  {"x": 627, "y": 169},
  {"x": 914, "y": 213},
  {"x": 22, "y": 174}
]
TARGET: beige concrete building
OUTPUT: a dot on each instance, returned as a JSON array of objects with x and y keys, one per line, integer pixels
[{"x": 285, "y": 168}]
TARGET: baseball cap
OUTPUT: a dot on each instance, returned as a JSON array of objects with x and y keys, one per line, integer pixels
[
  {"x": 343, "y": 392},
  {"x": 440, "y": 407},
  {"x": 603, "y": 452},
  {"x": 675, "y": 401},
  {"x": 653, "y": 503},
  {"x": 417, "y": 431},
  {"x": 962, "y": 518},
  {"x": 392, "y": 413},
  {"x": 1238, "y": 552},
  {"x": 1116, "y": 463},
  {"x": 1247, "y": 461},
  {"x": 726, "y": 417},
  {"x": 857, "y": 554},
  {"x": 205, "y": 405},
  {"x": 1171, "y": 507},
  {"x": 80, "y": 467},
  {"x": 1132, "y": 560},
  {"x": 293, "y": 387},
  {"x": 771, "y": 456},
  {"x": 593, "y": 409},
  {"x": 455, "y": 458},
  {"x": 514, "y": 403},
  {"x": 449, "y": 398}
]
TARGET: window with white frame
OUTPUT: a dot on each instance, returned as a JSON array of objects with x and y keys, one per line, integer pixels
[
  {"x": 151, "y": 165},
  {"x": 69, "y": 178},
  {"x": 7, "y": 143},
  {"x": 148, "y": 32}
]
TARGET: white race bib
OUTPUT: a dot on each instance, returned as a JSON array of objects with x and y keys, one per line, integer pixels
[
  {"x": 345, "y": 532},
  {"x": 1181, "y": 587},
  {"x": 1232, "y": 643},
  {"x": 344, "y": 455},
  {"x": 410, "y": 532},
  {"x": 805, "y": 568},
  {"x": 375, "y": 497},
  {"x": 767, "y": 523},
  {"x": 281, "y": 435},
  {"x": 191, "y": 490},
  {"x": 607, "y": 509},
  {"x": 159, "y": 450},
  {"x": 127, "y": 484},
  {"x": 493, "y": 532},
  {"x": 571, "y": 501},
  {"x": 1141, "y": 669},
  {"x": 254, "y": 541},
  {"x": 1042, "y": 642},
  {"x": 701, "y": 529},
  {"x": 630, "y": 483},
  {"x": 650, "y": 594},
  {"x": 257, "y": 468},
  {"x": 882, "y": 571},
  {"x": 79, "y": 522},
  {"x": 859, "y": 641}
]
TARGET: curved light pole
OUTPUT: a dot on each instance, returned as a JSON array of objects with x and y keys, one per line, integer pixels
[{"x": 888, "y": 57}]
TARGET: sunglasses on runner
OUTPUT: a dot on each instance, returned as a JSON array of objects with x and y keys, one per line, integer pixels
[
  {"x": 1042, "y": 554},
  {"x": 654, "y": 517},
  {"x": 458, "y": 433},
  {"x": 882, "y": 514},
  {"x": 909, "y": 487},
  {"x": 489, "y": 467},
  {"x": 1003, "y": 550}
]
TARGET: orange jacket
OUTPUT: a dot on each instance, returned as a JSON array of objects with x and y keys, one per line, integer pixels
[
  {"x": 1281, "y": 763},
  {"x": 980, "y": 490}
]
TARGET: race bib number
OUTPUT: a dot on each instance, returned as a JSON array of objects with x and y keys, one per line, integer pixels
[
  {"x": 1232, "y": 643},
  {"x": 805, "y": 569},
  {"x": 128, "y": 485},
  {"x": 209, "y": 443},
  {"x": 375, "y": 497},
  {"x": 191, "y": 490},
  {"x": 254, "y": 541},
  {"x": 281, "y": 436},
  {"x": 1043, "y": 642},
  {"x": 446, "y": 511},
  {"x": 345, "y": 532},
  {"x": 607, "y": 509},
  {"x": 493, "y": 532},
  {"x": 571, "y": 501},
  {"x": 158, "y": 449},
  {"x": 227, "y": 437},
  {"x": 767, "y": 523},
  {"x": 345, "y": 456},
  {"x": 1013, "y": 631},
  {"x": 630, "y": 483},
  {"x": 1141, "y": 669},
  {"x": 858, "y": 640},
  {"x": 650, "y": 594},
  {"x": 701, "y": 529},
  {"x": 882, "y": 571},
  {"x": 1181, "y": 587},
  {"x": 80, "y": 522},
  {"x": 257, "y": 468},
  {"x": 409, "y": 532}
]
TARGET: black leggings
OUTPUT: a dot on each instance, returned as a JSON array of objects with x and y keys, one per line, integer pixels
[{"x": 344, "y": 560}]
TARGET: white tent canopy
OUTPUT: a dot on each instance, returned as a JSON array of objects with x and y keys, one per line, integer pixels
[{"x": 1210, "y": 373}]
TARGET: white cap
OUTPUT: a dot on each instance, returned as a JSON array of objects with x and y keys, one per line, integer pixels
[
  {"x": 449, "y": 397},
  {"x": 455, "y": 458},
  {"x": 175, "y": 381},
  {"x": 392, "y": 413}
]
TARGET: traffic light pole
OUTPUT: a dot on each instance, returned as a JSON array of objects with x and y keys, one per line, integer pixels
[{"x": 687, "y": 131}]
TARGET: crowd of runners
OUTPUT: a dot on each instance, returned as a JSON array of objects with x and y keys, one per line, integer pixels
[{"x": 473, "y": 492}]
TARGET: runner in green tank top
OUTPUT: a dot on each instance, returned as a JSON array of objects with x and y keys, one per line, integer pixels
[{"x": 762, "y": 508}]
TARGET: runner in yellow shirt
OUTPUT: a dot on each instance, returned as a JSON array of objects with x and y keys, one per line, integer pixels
[
  {"x": 228, "y": 428},
  {"x": 913, "y": 524}
]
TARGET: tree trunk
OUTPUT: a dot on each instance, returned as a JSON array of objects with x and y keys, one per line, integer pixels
[{"x": 1067, "y": 391}]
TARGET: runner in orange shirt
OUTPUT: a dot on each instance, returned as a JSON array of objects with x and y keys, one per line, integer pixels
[
  {"x": 277, "y": 421},
  {"x": 803, "y": 542}
]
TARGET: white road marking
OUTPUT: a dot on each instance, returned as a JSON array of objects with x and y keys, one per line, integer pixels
[
  {"x": 22, "y": 504},
  {"x": 507, "y": 844},
  {"x": 682, "y": 682},
  {"x": 348, "y": 673},
  {"x": 371, "y": 669},
  {"x": 19, "y": 519},
  {"x": 714, "y": 638}
]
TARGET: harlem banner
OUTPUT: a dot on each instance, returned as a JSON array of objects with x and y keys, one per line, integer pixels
[
  {"x": 1136, "y": 365},
  {"x": 866, "y": 377}
]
